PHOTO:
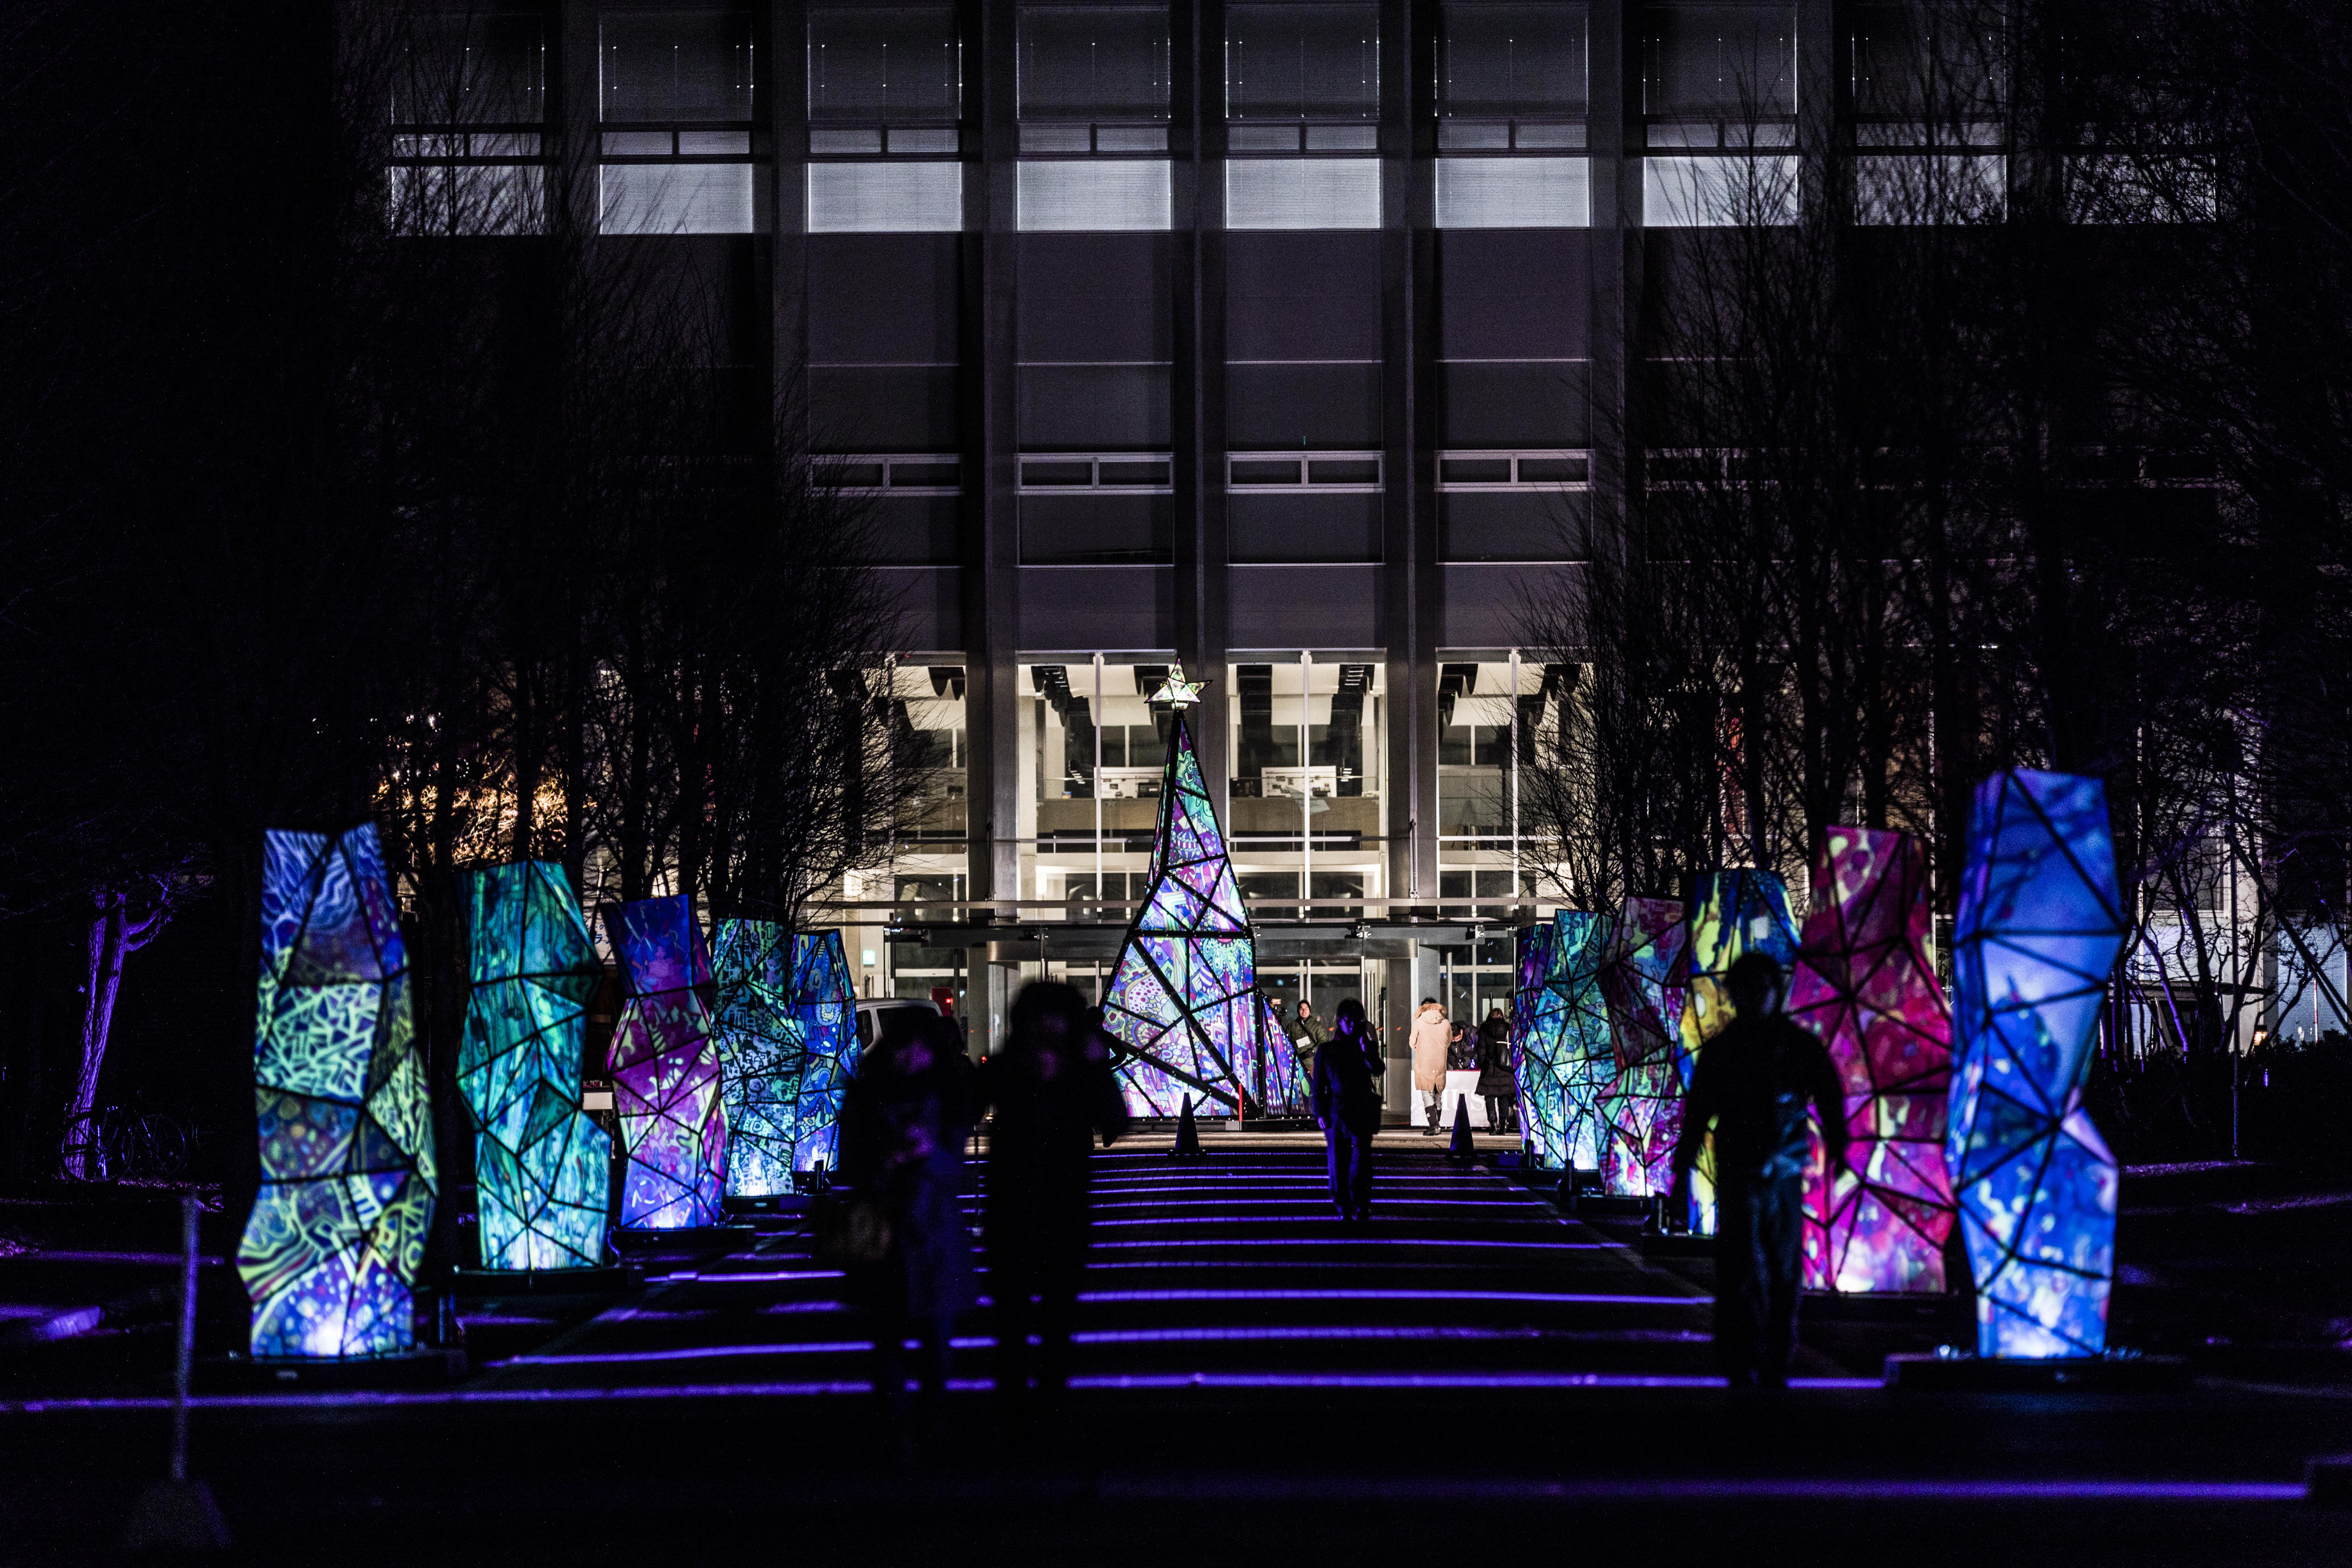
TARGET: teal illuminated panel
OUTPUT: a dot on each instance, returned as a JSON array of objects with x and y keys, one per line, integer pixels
[{"x": 542, "y": 1168}]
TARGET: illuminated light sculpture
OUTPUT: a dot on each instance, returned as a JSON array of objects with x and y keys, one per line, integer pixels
[
  {"x": 1184, "y": 997},
  {"x": 331, "y": 1250},
  {"x": 1732, "y": 913},
  {"x": 1640, "y": 1105},
  {"x": 2039, "y": 932},
  {"x": 760, "y": 1054},
  {"x": 825, "y": 1007},
  {"x": 1560, "y": 1039},
  {"x": 665, "y": 1067},
  {"x": 542, "y": 1168},
  {"x": 1284, "y": 1085},
  {"x": 1865, "y": 984}
]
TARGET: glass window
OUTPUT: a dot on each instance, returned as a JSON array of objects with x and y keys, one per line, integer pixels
[
  {"x": 473, "y": 69},
  {"x": 1302, "y": 192},
  {"x": 1302, "y": 62},
  {"x": 1479, "y": 852},
  {"x": 1513, "y": 193},
  {"x": 887, "y": 63},
  {"x": 1302, "y": 738},
  {"x": 1723, "y": 61},
  {"x": 1094, "y": 62},
  {"x": 1507, "y": 62},
  {"x": 470, "y": 91},
  {"x": 676, "y": 198},
  {"x": 666, "y": 67},
  {"x": 1922, "y": 63},
  {"x": 885, "y": 198}
]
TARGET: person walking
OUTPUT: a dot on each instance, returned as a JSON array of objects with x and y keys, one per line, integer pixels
[
  {"x": 1347, "y": 1106},
  {"x": 1310, "y": 1033},
  {"x": 1053, "y": 1092},
  {"x": 1497, "y": 1083},
  {"x": 1431, "y": 1037},
  {"x": 1753, "y": 1081},
  {"x": 904, "y": 1124}
]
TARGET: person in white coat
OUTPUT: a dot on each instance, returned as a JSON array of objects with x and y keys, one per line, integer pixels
[{"x": 1431, "y": 1036}]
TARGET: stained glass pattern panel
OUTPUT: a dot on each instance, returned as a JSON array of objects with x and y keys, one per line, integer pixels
[
  {"x": 1184, "y": 997},
  {"x": 331, "y": 1253},
  {"x": 1640, "y": 1105},
  {"x": 761, "y": 1054},
  {"x": 1732, "y": 913},
  {"x": 1865, "y": 983},
  {"x": 665, "y": 1071},
  {"x": 2039, "y": 932},
  {"x": 1561, "y": 1045},
  {"x": 541, "y": 1166}
]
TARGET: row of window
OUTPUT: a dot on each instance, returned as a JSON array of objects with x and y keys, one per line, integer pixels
[
  {"x": 931, "y": 474},
  {"x": 719, "y": 196},
  {"x": 1493, "y": 59}
]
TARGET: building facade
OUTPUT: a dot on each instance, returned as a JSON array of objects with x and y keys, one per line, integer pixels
[{"x": 1287, "y": 341}]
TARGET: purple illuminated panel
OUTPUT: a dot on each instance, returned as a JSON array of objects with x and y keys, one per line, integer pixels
[
  {"x": 1641, "y": 1106},
  {"x": 1865, "y": 984},
  {"x": 665, "y": 1067},
  {"x": 2039, "y": 933}
]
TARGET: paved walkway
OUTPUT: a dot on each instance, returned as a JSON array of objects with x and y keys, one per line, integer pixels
[
  {"x": 1470, "y": 1372},
  {"x": 1232, "y": 1270}
]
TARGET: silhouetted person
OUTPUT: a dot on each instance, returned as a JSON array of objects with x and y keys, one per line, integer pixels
[
  {"x": 1348, "y": 1068},
  {"x": 1497, "y": 1084},
  {"x": 1753, "y": 1081},
  {"x": 1052, "y": 1090},
  {"x": 904, "y": 1124}
]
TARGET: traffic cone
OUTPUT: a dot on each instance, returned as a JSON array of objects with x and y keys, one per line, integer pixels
[
  {"x": 1188, "y": 1135},
  {"x": 1461, "y": 1149}
]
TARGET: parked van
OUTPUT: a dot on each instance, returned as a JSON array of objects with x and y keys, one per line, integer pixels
[{"x": 881, "y": 1016}]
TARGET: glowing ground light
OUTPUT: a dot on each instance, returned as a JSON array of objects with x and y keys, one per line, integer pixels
[
  {"x": 2039, "y": 932},
  {"x": 330, "y": 1252}
]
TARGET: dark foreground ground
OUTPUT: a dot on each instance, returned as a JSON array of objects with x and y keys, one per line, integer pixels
[{"x": 1474, "y": 1375}]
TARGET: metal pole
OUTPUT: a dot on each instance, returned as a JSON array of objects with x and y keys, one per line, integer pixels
[
  {"x": 1306, "y": 785},
  {"x": 185, "y": 1358},
  {"x": 1515, "y": 781},
  {"x": 1098, "y": 789}
]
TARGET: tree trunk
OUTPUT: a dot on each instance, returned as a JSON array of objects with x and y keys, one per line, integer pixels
[{"x": 113, "y": 936}]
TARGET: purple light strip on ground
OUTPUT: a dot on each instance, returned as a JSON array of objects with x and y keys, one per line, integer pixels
[
  {"x": 1317, "y": 1202},
  {"x": 771, "y": 1277},
  {"x": 1352, "y": 1241},
  {"x": 1383, "y": 1210},
  {"x": 1292, "y": 1334},
  {"x": 1597, "y": 1488},
  {"x": 46, "y": 1255},
  {"x": 1562, "y": 1298}
]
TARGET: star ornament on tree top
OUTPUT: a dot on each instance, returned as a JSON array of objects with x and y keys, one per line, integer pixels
[{"x": 1176, "y": 692}]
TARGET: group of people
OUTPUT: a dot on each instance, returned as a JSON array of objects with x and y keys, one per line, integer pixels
[
  {"x": 1441, "y": 1045},
  {"x": 1053, "y": 1092},
  {"x": 908, "y": 1253}
]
